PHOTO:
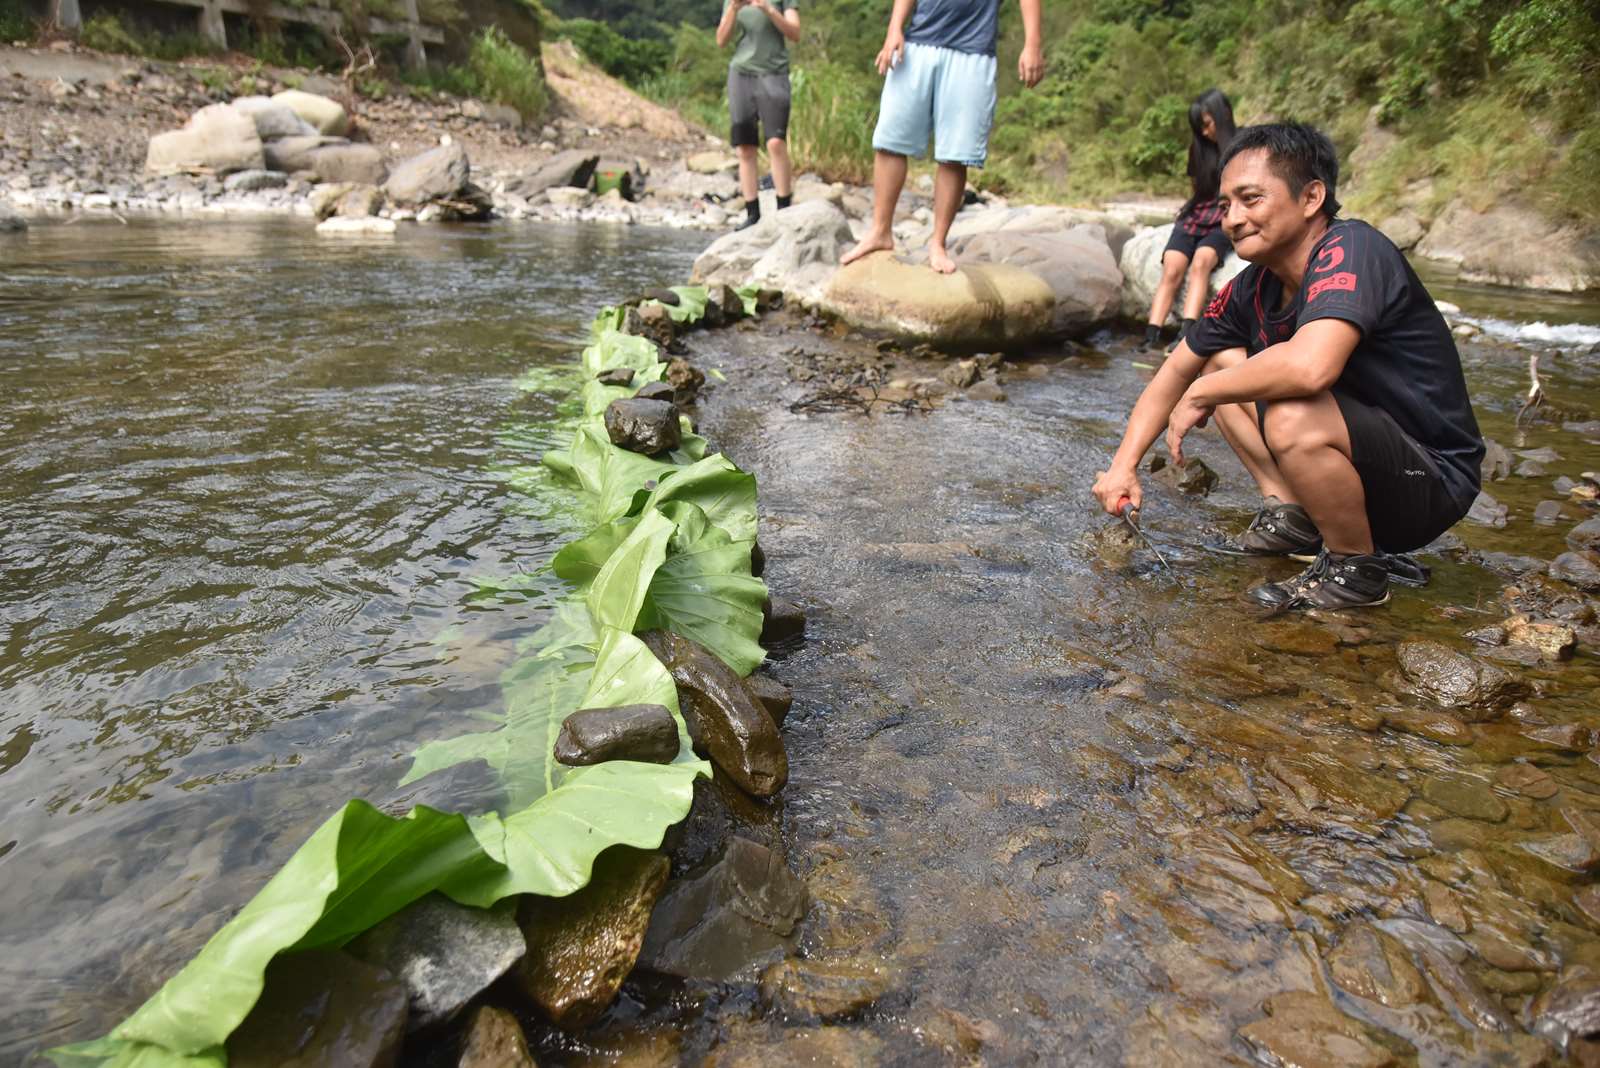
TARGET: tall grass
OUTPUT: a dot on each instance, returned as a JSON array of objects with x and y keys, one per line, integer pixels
[
  {"x": 16, "y": 22},
  {"x": 506, "y": 74},
  {"x": 831, "y": 121}
]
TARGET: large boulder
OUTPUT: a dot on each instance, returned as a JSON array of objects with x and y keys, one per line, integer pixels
[
  {"x": 574, "y": 167},
  {"x": 978, "y": 306},
  {"x": 1075, "y": 263},
  {"x": 217, "y": 138},
  {"x": 273, "y": 120},
  {"x": 294, "y": 154},
  {"x": 328, "y": 116},
  {"x": 1141, "y": 271},
  {"x": 1514, "y": 245},
  {"x": 796, "y": 250},
  {"x": 345, "y": 162},
  {"x": 437, "y": 174}
]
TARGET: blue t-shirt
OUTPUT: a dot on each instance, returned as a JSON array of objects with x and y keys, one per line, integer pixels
[{"x": 962, "y": 25}]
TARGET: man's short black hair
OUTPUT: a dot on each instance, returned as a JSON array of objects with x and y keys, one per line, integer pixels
[{"x": 1296, "y": 152}]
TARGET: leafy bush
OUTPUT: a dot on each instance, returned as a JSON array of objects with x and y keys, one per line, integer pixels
[
  {"x": 831, "y": 122},
  {"x": 504, "y": 73},
  {"x": 16, "y": 22},
  {"x": 106, "y": 32},
  {"x": 632, "y": 61}
]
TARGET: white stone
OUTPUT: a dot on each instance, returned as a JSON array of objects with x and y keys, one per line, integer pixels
[
  {"x": 1141, "y": 272},
  {"x": 327, "y": 116},
  {"x": 370, "y": 224},
  {"x": 796, "y": 251}
]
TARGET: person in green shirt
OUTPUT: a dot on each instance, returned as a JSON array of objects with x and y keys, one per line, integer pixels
[{"x": 758, "y": 92}]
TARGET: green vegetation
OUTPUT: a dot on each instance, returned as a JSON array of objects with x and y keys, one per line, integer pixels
[
  {"x": 506, "y": 74},
  {"x": 16, "y": 21},
  {"x": 671, "y": 550}
]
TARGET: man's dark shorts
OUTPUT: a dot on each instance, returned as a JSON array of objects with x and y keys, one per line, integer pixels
[
  {"x": 752, "y": 97},
  {"x": 1216, "y": 240},
  {"x": 1408, "y": 503}
]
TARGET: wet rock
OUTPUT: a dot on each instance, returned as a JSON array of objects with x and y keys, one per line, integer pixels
[
  {"x": 1496, "y": 461},
  {"x": 581, "y": 947},
  {"x": 652, "y": 322},
  {"x": 1509, "y": 953},
  {"x": 781, "y": 620},
  {"x": 1544, "y": 455},
  {"x": 774, "y": 696},
  {"x": 1578, "y": 569},
  {"x": 646, "y": 733},
  {"x": 988, "y": 390},
  {"x": 1512, "y": 565},
  {"x": 685, "y": 378},
  {"x": 1567, "y": 737},
  {"x": 1547, "y": 513},
  {"x": 1477, "y": 691},
  {"x": 322, "y": 1009},
  {"x": 643, "y": 426},
  {"x": 573, "y": 168},
  {"x": 494, "y": 1040},
  {"x": 446, "y": 954},
  {"x": 661, "y": 391},
  {"x": 1194, "y": 477},
  {"x": 1460, "y": 993},
  {"x": 1465, "y": 797},
  {"x": 1373, "y": 965},
  {"x": 1530, "y": 469},
  {"x": 1305, "y": 1031},
  {"x": 1527, "y": 780},
  {"x": 833, "y": 1047},
  {"x": 1587, "y": 901},
  {"x": 726, "y": 922},
  {"x": 359, "y": 202},
  {"x": 824, "y": 989},
  {"x": 10, "y": 221},
  {"x": 617, "y": 376},
  {"x": 1432, "y": 724},
  {"x": 327, "y": 116},
  {"x": 736, "y": 732},
  {"x": 1446, "y": 907},
  {"x": 1486, "y": 511},
  {"x": 1553, "y": 641},
  {"x": 1569, "y": 1009},
  {"x": 728, "y": 300},
  {"x": 960, "y": 374},
  {"x": 1563, "y": 854},
  {"x": 1585, "y": 537}
]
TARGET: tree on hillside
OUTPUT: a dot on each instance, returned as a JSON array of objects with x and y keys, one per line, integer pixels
[{"x": 642, "y": 18}]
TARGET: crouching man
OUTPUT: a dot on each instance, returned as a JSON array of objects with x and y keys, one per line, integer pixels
[{"x": 1329, "y": 371}]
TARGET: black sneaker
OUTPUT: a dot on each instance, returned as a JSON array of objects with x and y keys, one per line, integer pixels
[
  {"x": 1406, "y": 570},
  {"x": 1329, "y": 582},
  {"x": 1278, "y": 529}
]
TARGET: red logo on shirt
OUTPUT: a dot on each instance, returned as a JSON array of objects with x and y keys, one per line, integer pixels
[
  {"x": 1220, "y": 301},
  {"x": 1343, "y": 280},
  {"x": 1329, "y": 258}
]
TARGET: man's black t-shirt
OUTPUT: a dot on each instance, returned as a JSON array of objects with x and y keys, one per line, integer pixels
[{"x": 1406, "y": 362}]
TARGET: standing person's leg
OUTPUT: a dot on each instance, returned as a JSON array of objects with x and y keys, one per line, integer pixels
[
  {"x": 963, "y": 112},
  {"x": 744, "y": 135},
  {"x": 905, "y": 119},
  {"x": 775, "y": 124},
  {"x": 949, "y": 186},
  {"x": 1199, "y": 282},
  {"x": 1174, "y": 262}
]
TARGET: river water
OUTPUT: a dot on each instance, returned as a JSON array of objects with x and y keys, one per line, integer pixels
[{"x": 1074, "y": 808}]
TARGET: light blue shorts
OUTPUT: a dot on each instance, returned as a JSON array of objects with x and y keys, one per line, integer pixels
[{"x": 940, "y": 91}]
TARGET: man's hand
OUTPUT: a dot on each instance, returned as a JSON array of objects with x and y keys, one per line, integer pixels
[
  {"x": 1185, "y": 417},
  {"x": 894, "y": 47},
  {"x": 1110, "y": 487},
  {"x": 1030, "y": 65}
]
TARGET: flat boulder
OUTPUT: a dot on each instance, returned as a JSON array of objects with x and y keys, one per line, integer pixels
[
  {"x": 796, "y": 250},
  {"x": 1141, "y": 271},
  {"x": 322, "y": 1009},
  {"x": 346, "y": 162},
  {"x": 582, "y": 946},
  {"x": 574, "y": 167},
  {"x": 446, "y": 954},
  {"x": 728, "y": 921},
  {"x": 1513, "y": 244},
  {"x": 643, "y": 426},
  {"x": 1076, "y": 264},
  {"x": 628, "y": 732},
  {"x": 979, "y": 305},
  {"x": 273, "y": 120},
  {"x": 437, "y": 174},
  {"x": 217, "y": 139},
  {"x": 724, "y": 718},
  {"x": 327, "y": 116}
]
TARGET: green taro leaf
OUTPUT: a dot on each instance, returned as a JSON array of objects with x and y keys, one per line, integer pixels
[
  {"x": 726, "y": 494},
  {"x": 618, "y": 591},
  {"x": 613, "y": 349},
  {"x": 704, "y": 590}
]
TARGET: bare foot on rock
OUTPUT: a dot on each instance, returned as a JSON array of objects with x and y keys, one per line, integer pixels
[
  {"x": 868, "y": 244},
  {"x": 940, "y": 260}
]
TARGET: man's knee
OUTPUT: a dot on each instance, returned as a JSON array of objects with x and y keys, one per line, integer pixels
[
  {"x": 776, "y": 145},
  {"x": 1295, "y": 424}
]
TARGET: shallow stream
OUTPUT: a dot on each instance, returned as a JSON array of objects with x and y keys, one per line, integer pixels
[{"x": 1078, "y": 809}]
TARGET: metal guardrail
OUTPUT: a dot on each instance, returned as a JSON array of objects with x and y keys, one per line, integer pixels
[{"x": 67, "y": 15}]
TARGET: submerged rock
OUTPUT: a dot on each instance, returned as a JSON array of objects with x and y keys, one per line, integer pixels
[
  {"x": 1373, "y": 965},
  {"x": 581, "y": 947},
  {"x": 1456, "y": 681},
  {"x": 1487, "y": 511},
  {"x": 824, "y": 989},
  {"x": 1554, "y": 641},
  {"x": 726, "y": 922},
  {"x": 10, "y": 221},
  {"x": 1577, "y": 569},
  {"x": 727, "y": 721},
  {"x": 445, "y": 953},
  {"x": 1194, "y": 477},
  {"x": 322, "y": 1009},
  {"x": 628, "y": 732},
  {"x": 1306, "y": 1031},
  {"x": 1585, "y": 537},
  {"x": 643, "y": 426},
  {"x": 1569, "y": 1009},
  {"x": 495, "y": 1040},
  {"x": 781, "y": 621}
]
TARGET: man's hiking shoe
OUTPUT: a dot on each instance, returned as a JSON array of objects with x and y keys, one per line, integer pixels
[
  {"x": 1406, "y": 570},
  {"x": 1278, "y": 529},
  {"x": 1330, "y": 582}
]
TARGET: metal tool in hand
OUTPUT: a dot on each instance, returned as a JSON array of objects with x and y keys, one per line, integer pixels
[{"x": 1130, "y": 515}]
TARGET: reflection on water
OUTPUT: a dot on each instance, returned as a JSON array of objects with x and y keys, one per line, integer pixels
[{"x": 246, "y": 479}]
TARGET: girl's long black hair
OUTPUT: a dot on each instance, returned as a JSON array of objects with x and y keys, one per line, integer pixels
[{"x": 1205, "y": 172}]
